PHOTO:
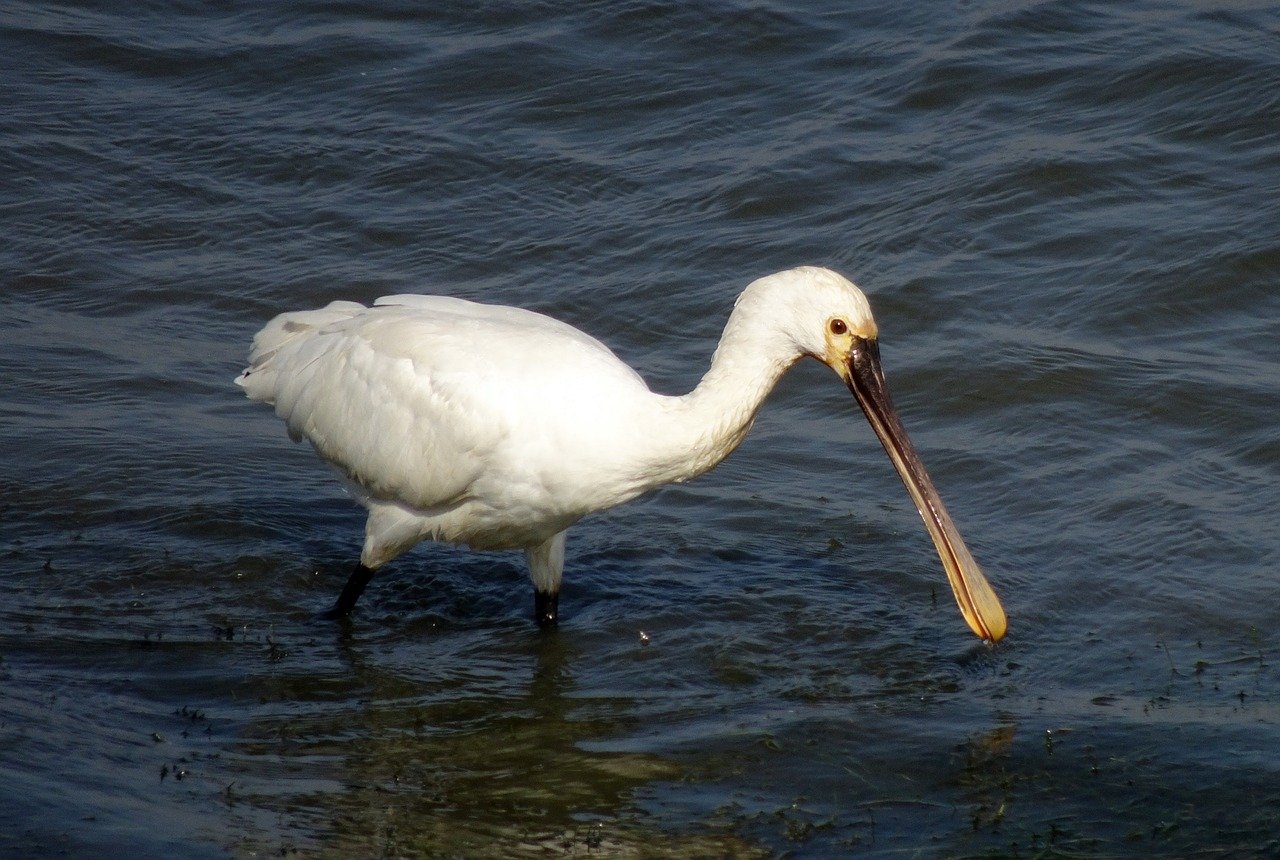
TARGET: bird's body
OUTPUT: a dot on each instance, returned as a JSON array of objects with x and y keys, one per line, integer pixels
[
  {"x": 499, "y": 428},
  {"x": 453, "y": 420}
]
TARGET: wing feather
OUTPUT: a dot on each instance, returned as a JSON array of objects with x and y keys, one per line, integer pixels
[{"x": 419, "y": 399}]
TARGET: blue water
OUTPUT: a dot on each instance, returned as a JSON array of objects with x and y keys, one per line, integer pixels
[{"x": 1065, "y": 215}]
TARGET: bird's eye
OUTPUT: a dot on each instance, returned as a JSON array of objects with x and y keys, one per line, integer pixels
[{"x": 839, "y": 326}]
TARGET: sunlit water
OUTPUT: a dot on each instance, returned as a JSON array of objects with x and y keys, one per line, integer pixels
[{"x": 1066, "y": 217}]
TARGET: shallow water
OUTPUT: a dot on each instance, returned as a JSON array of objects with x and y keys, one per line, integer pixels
[{"x": 1065, "y": 216}]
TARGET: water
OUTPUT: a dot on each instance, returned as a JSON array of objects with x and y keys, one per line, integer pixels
[{"x": 1065, "y": 215}]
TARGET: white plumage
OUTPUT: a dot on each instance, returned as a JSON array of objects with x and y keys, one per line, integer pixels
[{"x": 499, "y": 428}]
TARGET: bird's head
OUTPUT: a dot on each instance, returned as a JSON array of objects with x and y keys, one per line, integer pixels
[{"x": 828, "y": 318}]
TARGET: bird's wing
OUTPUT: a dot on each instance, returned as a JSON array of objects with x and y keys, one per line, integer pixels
[
  {"x": 415, "y": 398},
  {"x": 557, "y": 339}
]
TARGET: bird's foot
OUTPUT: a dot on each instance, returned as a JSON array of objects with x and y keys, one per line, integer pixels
[
  {"x": 333, "y": 613},
  {"x": 341, "y": 609},
  {"x": 546, "y": 608}
]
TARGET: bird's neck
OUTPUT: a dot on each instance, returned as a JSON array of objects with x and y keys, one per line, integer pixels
[{"x": 693, "y": 433}]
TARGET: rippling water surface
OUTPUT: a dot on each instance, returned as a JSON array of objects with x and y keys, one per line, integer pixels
[{"x": 1066, "y": 217}]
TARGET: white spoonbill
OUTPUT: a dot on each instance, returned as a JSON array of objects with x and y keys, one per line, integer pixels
[{"x": 500, "y": 428}]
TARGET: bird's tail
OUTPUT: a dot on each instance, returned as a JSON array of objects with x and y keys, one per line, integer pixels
[{"x": 259, "y": 380}]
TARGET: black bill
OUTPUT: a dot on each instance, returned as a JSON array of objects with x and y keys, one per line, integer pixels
[{"x": 978, "y": 602}]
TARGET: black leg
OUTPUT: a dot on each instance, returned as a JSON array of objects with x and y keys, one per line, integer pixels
[
  {"x": 546, "y": 608},
  {"x": 350, "y": 594}
]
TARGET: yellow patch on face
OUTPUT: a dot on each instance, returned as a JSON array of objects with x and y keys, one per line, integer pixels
[{"x": 840, "y": 343}]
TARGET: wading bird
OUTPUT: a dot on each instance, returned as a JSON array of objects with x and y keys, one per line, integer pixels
[{"x": 499, "y": 428}]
